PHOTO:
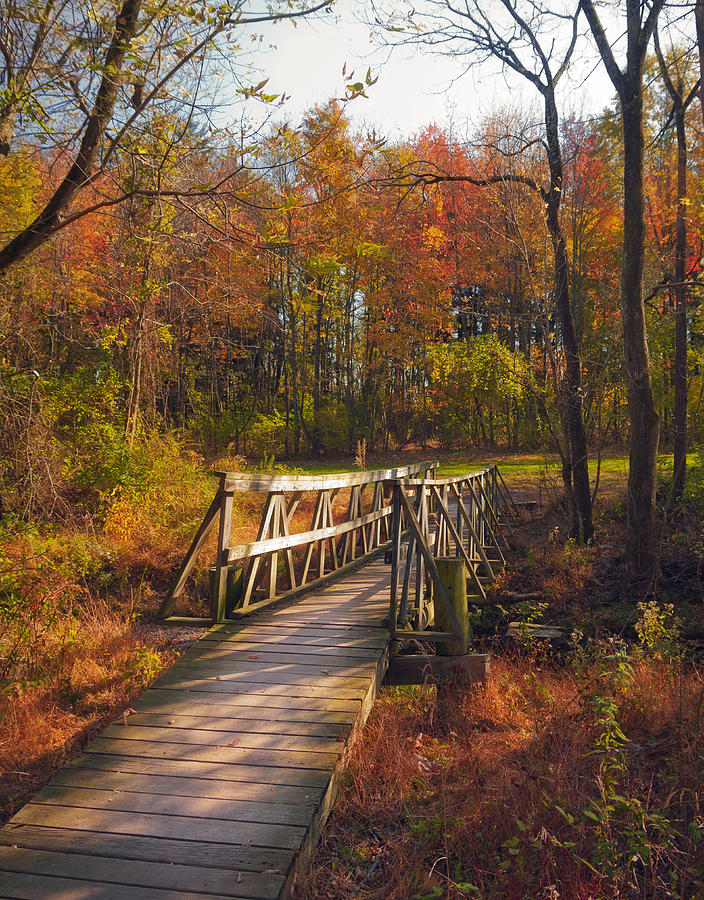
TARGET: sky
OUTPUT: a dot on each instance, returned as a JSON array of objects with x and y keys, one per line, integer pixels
[{"x": 414, "y": 88}]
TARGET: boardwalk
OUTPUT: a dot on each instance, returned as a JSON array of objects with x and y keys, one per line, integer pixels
[{"x": 217, "y": 786}]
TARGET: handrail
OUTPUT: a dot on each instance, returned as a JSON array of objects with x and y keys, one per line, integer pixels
[
  {"x": 458, "y": 515},
  {"x": 335, "y": 545},
  {"x": 452, "y": 479},
  {"x": 258, "y": 482}
]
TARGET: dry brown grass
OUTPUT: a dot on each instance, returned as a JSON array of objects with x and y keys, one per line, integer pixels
[
  {"x": 89, "y": 667},
  {"x": 482, "y": 798}
]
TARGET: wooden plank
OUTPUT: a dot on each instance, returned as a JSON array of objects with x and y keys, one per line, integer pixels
[
  {"x": 240, "y": 739},
  {"x": 275, "y": 813},
  {"x": 283, "y": 675},
  {"x": 322, "y": 615},
  {"x": 284, "y": 651},
  {"x": 266, "y": 706},
  {"x": 297, "y": 684},
  {"x": 264, "y": 624},
  {"x": 449, "y": 480},
  {"x": 42, "y": 887},
  {"x": 329, "y": 499},
  {"x": 243, "y": 481},
  {"x": 298, "y": 642},
  {"x": 496, "y": 528},
  {"x": 245, "y": 664},
  {"x": 216, "y": 831},
  {"x": 228, "y": 723},
  {"x": 344, "y": 689},
  {"x": 276, "y": 530},
  {"x": 311, "y": 779},
  {"x": 187, "y": 851},
  {"x": 249, "y": 574},
  {"x": 288, "y": 759},
  {"x": 486, "y": 523},
  {"x": 286, "y": 516},
  {"x": 475, "y": 537},
  {"x": 395, "y": 557},
  {"x": 232, "y": 707},
  {"x": 175, "y": 785},
  {"x": 166, "y": 876},
  {"x": 440, "y": 592}
]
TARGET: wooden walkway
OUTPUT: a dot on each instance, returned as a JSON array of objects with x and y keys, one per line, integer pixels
[{"x": 219, "y": 783}]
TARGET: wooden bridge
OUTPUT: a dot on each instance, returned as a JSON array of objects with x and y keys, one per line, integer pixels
[{"x": 218, "y": 783}]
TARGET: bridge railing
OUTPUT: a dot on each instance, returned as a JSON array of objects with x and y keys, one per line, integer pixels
[
  {"x": 282, "y": 563},
  {"x": 461, "y": 516}
]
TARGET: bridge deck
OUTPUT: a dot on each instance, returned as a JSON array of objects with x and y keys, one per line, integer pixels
[{"x": 218, "y": 784}]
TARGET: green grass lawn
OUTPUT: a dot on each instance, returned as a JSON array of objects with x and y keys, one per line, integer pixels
[{"x": 513, "y": 466}]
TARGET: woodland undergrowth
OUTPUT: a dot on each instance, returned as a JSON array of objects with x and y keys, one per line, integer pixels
[{"x": 582, "y": 779}]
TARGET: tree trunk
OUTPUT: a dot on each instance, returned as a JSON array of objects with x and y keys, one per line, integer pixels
[
  {"x": 642, "y": 538},
  {"x": 680, "y": 418},
  {"x": 580, "y": 495},
  {"x": 699, "y": 18}
]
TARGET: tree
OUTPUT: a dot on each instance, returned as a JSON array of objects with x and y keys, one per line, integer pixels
[
  {"x": 642, "y": 537},
  {"x": 514, "y": 41},
  {"x": 475, "y": 378},
  {"x": 681, "y": 100},
  {"x": 86, "y": 76}
]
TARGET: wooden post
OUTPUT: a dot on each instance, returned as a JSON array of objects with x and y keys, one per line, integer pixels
[
  {"x": 218, "y": 600},
  {"x": 395, "y": 555},
  {"x": 453, "y": 574}
]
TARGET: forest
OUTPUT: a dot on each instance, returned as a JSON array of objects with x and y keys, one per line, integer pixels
[{"x": 185, "y": 289}]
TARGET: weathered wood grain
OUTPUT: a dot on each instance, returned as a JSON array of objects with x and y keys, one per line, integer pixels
[
  {"x": 236, "y": 739},
  {"x": 215, "y": 831},
  {"x": 309, "y": 761},
  {"x": 271, "y": 708},
  {"x": 25, "y": 886},
  {"x": 172, "y": 876},
  {"x": 255, "y": 726},
  {"x": 245, "y": 481},
  {"x": 189, "y": 768},
  {"x": 129, "y": 847},
  {"x": 175, "y": 805},
  {"x": 187, "y": 786}
]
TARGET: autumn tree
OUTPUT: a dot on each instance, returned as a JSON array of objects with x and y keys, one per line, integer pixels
[
  {"x": 640, "y": 22},
  {"x": 673, "y": 74},
  {"x": 84, "y": 77}
]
